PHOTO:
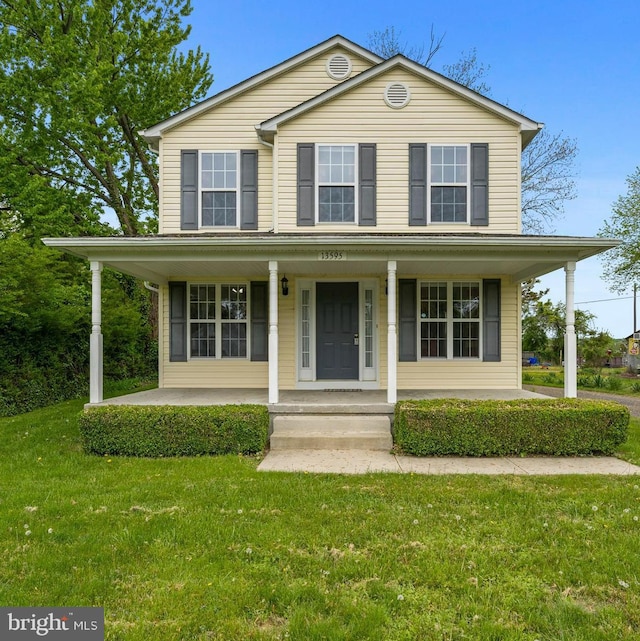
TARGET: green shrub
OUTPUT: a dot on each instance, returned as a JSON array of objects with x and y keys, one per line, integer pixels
[
  {"x": 567, "y": 427},
  {"x": 614, "y": 383},
  {"x": 584, "y": 381},
  {"x": 635, "y": 387},
  {"x": 527, "y": 378},
  {"x": 157, "y": 431},
  {"x": 599, "y": 381}
]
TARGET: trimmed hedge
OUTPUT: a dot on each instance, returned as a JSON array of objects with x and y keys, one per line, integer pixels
[
  {"x": 158, "y": 431},
  {"x": 560, "y": 427}
]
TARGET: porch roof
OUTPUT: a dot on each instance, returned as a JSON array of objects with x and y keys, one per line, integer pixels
[{"x": 160, "y": 258}]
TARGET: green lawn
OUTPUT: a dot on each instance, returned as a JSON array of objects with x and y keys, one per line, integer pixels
[
  {"x": 211, "y": 549},
  {"x": 615, "y": 380}
]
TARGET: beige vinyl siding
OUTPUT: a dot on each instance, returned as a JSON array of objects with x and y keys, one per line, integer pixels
[
  {"x": 287, "y": 337},
  {"x": 424, "y": 374},
  {"x": 207, "y": 372},
  {"x": 231, "y": 126},
  {"x": 470, "y": 373},
  {"x": 433, "y": 116}
]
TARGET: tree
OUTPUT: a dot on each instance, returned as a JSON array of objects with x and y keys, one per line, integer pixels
[
  {"x": 549, "y": 320},
  {"x": 387, "y": 44},
  {"x": 597, "y": 349},
  {"x": 78, "y": 79},
  {"x": 548, "y": 175},
  {"x": 470, "y": 72},
  {"x": 621, "y": 266},
  {"x": 547, "y": 180},
  {"x": 530, "y": 297}
]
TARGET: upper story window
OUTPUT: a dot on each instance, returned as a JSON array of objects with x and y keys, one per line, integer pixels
[
  {"x": 219, "y": 189},
  {"x": 449, "y": 190},
  {"x": 448, "y": 184},
  {"x": 336, "y": 183}
]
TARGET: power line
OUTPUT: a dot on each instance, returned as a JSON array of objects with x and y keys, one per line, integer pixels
[{"x": 604, "y": 300}]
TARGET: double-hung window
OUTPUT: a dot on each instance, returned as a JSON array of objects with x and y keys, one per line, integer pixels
[
  {"x": 218, "y": 317},
  {"x": 449, "y": 183},
  {"x": 450, "y": 319},
  {"x": 219, "y": 189},
  {"x": 336, "y": 183}
]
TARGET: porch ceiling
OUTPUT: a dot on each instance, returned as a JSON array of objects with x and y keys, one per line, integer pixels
[{"x": 162, "y": 258}]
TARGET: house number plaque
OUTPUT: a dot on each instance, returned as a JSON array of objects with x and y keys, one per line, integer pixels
[{"x": 331, "y": 254}]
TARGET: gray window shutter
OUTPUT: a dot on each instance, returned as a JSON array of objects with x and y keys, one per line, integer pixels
[
  {"x": 408, "y": 320},
  {"x": 491, "y": 320},
  {"x": 367, "y": 158},
  {"x": 306, "y": 184},
  {"x": 259, "y": 321},
  {"x": 177, "y": 321},
  {"x": 249, "y": 189},
  {"x": 479, "y": 184},
  {"x": 418, "y": 184},
  {"x": 189, "y": 190}
]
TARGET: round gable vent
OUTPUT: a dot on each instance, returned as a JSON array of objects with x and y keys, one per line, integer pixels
[
  {"x": 339, "y": 66},
  {"x": 397, "y": 95}
]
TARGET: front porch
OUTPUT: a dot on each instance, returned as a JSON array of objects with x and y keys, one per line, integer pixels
[{"x": 293, "y": 401}]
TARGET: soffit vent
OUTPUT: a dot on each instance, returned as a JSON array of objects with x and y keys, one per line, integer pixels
[
  {"x": 339, "y": 66},
  {"x": 397, "y": 95}
]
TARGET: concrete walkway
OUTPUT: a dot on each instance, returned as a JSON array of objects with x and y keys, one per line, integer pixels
[{"x": 365, "y": 461}]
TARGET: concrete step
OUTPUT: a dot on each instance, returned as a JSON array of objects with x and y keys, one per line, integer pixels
[{"x": 331, "y": 432}]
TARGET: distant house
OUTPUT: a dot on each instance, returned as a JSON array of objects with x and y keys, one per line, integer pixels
[{"x": 339, "y": 221}]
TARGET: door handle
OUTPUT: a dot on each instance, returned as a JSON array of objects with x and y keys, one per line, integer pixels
[{"x": 356, "y": 339}]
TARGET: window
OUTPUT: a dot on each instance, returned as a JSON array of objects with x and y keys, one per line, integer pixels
[
  {"x": 219, "y": 189},
  {"x": 234, "y": 321},
  {"x": 450, "y": 320},
  {"x": 218, "y": 321},
  {"x": 202, "y": 314},
  {"x": 336, "y": 183},
  {"x": 449, "y": 189}
]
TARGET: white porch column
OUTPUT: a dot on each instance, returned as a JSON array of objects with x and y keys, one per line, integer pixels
[
  {"x": 570, "y": 342},
  {"x": 95, "y": 344},
  {"x": 273, "y": 331},
  {"x": 392, "y": 342}
]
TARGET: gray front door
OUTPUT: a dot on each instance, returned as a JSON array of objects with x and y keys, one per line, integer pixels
[{"x": 337, "y": 331}]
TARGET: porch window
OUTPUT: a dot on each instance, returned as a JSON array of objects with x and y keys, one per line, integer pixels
[
  {"x": 218, "y": 321},
  {"x": 336, "y": 183},
  {"x": 450, "y": 319},
  {"x": 449, "y": 183},
  {"x": 234, "y": 321},
  {"x": 202, "y": 311},
  {"x": 219, "y": 189}
]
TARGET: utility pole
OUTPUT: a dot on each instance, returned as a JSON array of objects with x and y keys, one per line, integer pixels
[{"x": 635, "y": 309}]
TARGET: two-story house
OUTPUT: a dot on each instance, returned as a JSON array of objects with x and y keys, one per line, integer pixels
[{"x": 339, "y": 221}]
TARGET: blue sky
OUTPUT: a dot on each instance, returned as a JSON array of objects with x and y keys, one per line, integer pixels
[{"x": 574, "y": 65}]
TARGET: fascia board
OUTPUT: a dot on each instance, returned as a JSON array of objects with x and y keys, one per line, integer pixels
[
  {"x": 581, "y": 247},
  {"x": 525, "y": 124},
  {"x": 154, "y": 133}
]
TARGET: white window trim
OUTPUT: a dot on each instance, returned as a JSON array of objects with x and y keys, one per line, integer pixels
[
  {"x": 202, "y": 189},
  {"x": 356, "y": 174},
  {"x": 450, "y": 320},
  {"x": 218, "y": 321},
  {"x": 431, "y": 184}
]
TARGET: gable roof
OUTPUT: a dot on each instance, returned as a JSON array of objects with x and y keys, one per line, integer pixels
[
  {"x": 528, "y": 128},
  {"x": 154, "y": 133}
]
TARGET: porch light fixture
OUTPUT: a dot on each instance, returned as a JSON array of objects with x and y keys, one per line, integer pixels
[{"x": 285, "y": 285}]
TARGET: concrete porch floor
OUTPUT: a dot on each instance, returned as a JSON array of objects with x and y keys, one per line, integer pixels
[{"x": 369, "y": 401}]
